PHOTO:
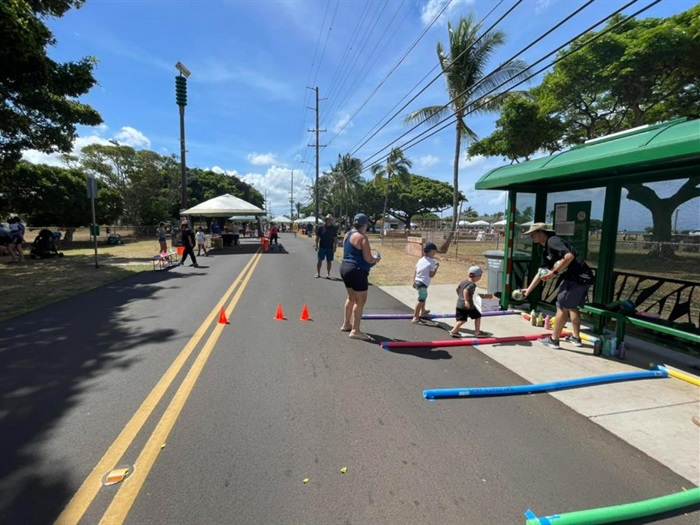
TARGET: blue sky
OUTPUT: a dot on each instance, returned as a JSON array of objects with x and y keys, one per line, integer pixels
[{"x": 253, "y": 61}]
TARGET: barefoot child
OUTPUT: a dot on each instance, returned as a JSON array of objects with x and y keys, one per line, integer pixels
[
  {"x": 426, "y": 268},
  {"x": 201, "y": 239},
  {"x": 465, "y": 303}
]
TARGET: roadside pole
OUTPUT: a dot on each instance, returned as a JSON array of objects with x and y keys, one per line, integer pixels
[{"x": 94, "y": 228}]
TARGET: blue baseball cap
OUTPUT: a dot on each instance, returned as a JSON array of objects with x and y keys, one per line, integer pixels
[
  {"x": 360, "y": 219},
  {"x": 475, "y": 271},
  {"x": 429, "y": 247}
]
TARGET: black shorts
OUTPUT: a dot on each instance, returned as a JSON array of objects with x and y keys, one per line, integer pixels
[
  {"x": 464, "y": 314},
  {"x": 354, "y": 277}
]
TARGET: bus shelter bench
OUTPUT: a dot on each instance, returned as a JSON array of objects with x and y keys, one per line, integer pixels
[
  {"x": 622, "y": 319},
  {"x": 163, "y": 261}
]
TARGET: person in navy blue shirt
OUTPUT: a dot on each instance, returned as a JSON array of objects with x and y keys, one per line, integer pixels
[{"x": 357, "y": 261}]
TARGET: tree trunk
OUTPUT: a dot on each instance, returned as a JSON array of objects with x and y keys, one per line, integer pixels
[
  {"x": 386, "y": 201},
  {"x": 69, "y": 235},
  {"x": 455, "y": 198}
]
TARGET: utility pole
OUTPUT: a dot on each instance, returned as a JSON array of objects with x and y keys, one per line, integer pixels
[
  {"x": 181, "y": 101},
  {"x": 317, "y": 146},
  {"x": 291, "y": 198}
]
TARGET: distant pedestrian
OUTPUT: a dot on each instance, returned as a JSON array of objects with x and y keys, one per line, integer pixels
[
  {"x": 357, "y": 261},
  {"x": 426, "y": 268},
  {"x": 326, "y": 244},
  {"x": 201, "y": 240},
  {"x": 163, "y": 238},
  {"x": 273, "y": 234},
  {"x": 187, "y": 240},
  {"x": 466, "y": 307},
  {"x": 560, "y": 258},
  {"x": 17, "y": 230}
]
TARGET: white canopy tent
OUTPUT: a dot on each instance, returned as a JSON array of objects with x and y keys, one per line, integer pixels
[
  {"x": 306, "y": 220},
  {"x": 479, "y": 223},
  {"x": 224, "y": 206},
  {"x": 462, "y": 224},
  {"x": 281, "y": 220},
  {"x": 500, "y": 223}
]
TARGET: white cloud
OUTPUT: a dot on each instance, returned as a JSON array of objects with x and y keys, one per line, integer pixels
[
  {"x": 542, "y": 5},
  {"x": 261, "y": 159},
  {"x": 342, "y": 124},
  {"x": 277, "y": 182},
  {"x": 132, "y": 137},
  {"x": 127, "y": 135},
  {"x": 222, "y": 171},
  {"x": 426, "y": 161},
  {"x": 432, "y": 7}
]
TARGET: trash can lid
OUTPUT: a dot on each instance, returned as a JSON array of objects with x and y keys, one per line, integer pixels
[{"x": 493, "y": 253}]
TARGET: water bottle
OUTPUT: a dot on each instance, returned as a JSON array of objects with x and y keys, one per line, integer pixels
[
  {"x": 598, "y": 347},
  {"x": 540, "y": 319},
  {"x": 606, "y": 347},
  {"x": 613, "y": 347},
  {"x": 621, "y": 350},
  {"x": 533, "y": 317},
  {"x": 548, "y": 323},
  {"x": 377, "y": 255}
]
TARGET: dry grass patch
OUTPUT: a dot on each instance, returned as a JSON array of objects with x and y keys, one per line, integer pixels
[{"x": 35, "y": 283}]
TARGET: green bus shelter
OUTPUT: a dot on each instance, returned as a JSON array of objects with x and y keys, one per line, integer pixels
[{"x": 595, "y": 177}]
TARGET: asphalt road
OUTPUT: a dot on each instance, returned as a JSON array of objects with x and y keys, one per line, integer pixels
[{"x": 249, "y": 410}]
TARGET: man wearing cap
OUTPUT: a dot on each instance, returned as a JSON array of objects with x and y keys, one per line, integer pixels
[
  {"x": 559, "y": 258},
  {"x": 187, "y": 239},
  {"x": 326, "y": 243},
  {"x": 426, "y": 268}
]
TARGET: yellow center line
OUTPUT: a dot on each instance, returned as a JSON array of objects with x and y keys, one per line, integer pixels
[
  {"x": 121, "y": 504},
  {"x": 82, "y": 499}
]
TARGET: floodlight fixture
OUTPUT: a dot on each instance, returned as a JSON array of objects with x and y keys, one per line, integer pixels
[{"x": 182, "y": 69}]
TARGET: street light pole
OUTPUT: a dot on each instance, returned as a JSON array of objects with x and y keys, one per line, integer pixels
[{"x": 181, "y": 101}]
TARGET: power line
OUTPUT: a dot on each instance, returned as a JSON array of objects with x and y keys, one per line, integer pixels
[
  {"x": 395, "y": 66},
  {"x": 484, "y": 98},
  {"x": 357, "y": 148}
]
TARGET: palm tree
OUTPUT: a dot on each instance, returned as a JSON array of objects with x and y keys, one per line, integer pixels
[
  {"x": 347, "y": 179},
  {"x": 397, "y": 165},
  {"x": 467, "y": 87}
]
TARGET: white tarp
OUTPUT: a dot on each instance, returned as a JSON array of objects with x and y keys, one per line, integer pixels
[
  {"x": 224, "y": 206},
  {"x": 281, "y": 219},
  {"x": 306, "y": 220},
  {"x": 500, "y": 223}
]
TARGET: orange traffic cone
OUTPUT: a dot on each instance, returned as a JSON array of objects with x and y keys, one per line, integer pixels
[
  {"x": 305, "y": 314},
  {"x": 279, "y": 315},
  {"x": 222, "y": 316}
]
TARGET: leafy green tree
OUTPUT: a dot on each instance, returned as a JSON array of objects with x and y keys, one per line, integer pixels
[
  {"x": 38, "y": 96},
  {"x": 52, "y": 196},
  {"x": 521, "y": 130},
  {"x": 464, "y": 69},
  {"x": 642, "y": 72},
  {"x": 421, "y": 195},
  {"x": 397, "y": 165}
]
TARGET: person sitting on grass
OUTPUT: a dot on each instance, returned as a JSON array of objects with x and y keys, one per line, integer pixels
[
  {"x": 466, "y": 308},
  {"x": 426, "y": 268}
]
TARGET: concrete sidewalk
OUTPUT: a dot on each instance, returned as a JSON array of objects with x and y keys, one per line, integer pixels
[{"x": 655, "y": 415}]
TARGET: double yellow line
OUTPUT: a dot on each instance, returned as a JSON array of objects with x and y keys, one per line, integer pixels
[{"x": 125, "y": 497}]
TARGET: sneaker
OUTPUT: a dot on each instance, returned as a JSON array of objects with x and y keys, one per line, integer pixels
[
  {"x": 456, "y": 335},
  {"x": 576, "y": 341},
  {"x": 549, "y": 342},
  {"x": 417, "y": 321}
]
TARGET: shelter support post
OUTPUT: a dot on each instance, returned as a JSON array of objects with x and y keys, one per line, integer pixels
[
  {"x": 540, "y": 216},
  {"x": 508, "y": 249}
]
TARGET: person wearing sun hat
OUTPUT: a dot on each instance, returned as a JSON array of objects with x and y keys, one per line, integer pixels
[
  {"x": 560, "y": 259},
  {"x": 357, "y": 262},
  {"x": 426, "y": 268}
]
